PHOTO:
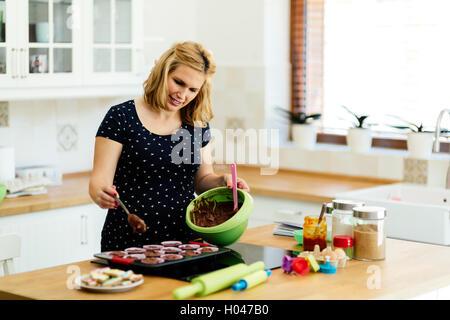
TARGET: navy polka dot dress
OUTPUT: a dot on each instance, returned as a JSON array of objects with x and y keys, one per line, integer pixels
[{"x": 154, "y": 178}]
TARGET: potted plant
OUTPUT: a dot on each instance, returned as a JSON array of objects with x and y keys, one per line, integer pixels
[
  {"x": 303, "y": 129},
  {"x": 419, "y": 141},
  {"x": 359, "y": 137}
]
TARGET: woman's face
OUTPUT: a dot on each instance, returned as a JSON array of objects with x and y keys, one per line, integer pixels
[{"x": 183, "y": 85}]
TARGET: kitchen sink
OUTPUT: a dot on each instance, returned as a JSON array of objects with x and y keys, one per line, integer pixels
[{"x": 414, "y": 212}]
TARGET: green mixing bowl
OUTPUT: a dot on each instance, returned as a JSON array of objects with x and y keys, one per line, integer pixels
[
  {"x": 231, "y": 230},
  {"x": 2, "y": 191}
]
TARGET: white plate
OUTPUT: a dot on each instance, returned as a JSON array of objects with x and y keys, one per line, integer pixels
[{"x": 107, "y": 289}]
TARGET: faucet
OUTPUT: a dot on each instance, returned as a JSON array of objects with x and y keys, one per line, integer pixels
[{"x": 437, "y": 134}]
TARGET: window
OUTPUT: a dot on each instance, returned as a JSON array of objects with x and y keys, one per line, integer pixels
[{"x": 377, "y": 57}]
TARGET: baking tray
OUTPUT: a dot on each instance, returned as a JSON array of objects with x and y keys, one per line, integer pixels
[
  {"x": 112, "y": 260},
  {"x": 186, "y": 259}
]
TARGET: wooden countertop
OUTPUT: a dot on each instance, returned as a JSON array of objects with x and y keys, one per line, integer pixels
[
  {"x": 287, "y": 184},
  {"x": 73, "y": 192},
  {"x": 410, "y": 269}
]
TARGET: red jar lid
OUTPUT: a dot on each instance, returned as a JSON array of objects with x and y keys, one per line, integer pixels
[{"x": 343, "y": 241}]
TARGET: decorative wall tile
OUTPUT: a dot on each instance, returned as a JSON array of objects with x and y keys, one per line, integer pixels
[
  {"x": 415, "y": 171},
  {"x": 235, "y": 123},
  {"x": 67, "y": 138},
  {"x": 4, "y": 114}
]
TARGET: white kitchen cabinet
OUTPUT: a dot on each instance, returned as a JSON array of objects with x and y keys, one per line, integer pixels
[
  {"x": 114, "y": 37},
  {"x": 71, "y": 44},
  {"x": 55, "y": 237},
  {"x": 267, "y": 210}
]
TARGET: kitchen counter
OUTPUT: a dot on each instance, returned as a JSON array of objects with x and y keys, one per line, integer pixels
[
  {"x": 73, "y": 192},
  {"x": 411, "y": 269},
  {"x": 286, "y": 184}
]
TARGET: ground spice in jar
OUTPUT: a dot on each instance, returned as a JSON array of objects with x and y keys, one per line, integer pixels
[
  {"x": 369, "y": 233},
  {"x": 369, "y": 243}
]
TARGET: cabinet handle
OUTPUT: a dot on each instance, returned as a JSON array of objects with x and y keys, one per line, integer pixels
[
  {"x": 23, "y": 63},
  {"x": 14, "y": 63},
  {"x": 84, "y": 230}
]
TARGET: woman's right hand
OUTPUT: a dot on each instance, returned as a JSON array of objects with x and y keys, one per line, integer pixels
[{"x": 105, "y": 197}]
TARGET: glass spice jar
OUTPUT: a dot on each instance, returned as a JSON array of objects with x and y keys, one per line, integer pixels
[
  {"x": 345, "y": 243},
  {"x": 342, "y": 217},
  {"x": 314, "y": 233},
  {"x": 369, "y": 233}
]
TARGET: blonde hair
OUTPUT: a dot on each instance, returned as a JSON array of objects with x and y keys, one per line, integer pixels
[{"x": 199, "y": 111}]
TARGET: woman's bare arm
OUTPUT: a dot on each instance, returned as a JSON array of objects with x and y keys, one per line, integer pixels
[
  {"x": 206, "y": 179},
  {"x": 106, "y": 156}
]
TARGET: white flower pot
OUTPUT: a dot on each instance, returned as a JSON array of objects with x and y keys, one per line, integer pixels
[
  {"x": 359, "y": 140},
  {"x": 420, "y": 144},
  {"x": 304, "y": 135}
]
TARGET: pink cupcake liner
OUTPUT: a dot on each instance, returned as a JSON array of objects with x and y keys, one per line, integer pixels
[
  {"x": 171, "y": 250},
  {"x": 209, "y": 249},
  {"x": 153, "y": 247},
  {"x": 171, "y": 257},
  {"x": 171, "y": 243},
  {"x": 189, "y": 246},
  {"x": 136, "y": 256},
  {"x": 154, "y": 253},
  {"x": 135, "y": 250},
  {"x": 153, "y": 260},
  {"x": 191, "y": 253}
]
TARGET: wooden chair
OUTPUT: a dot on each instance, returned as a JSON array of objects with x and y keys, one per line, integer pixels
[{"x": 9, "y": 249}]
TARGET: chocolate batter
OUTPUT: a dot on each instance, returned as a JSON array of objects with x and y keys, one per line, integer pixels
[
  {"x": 208, "y": 212},
  {"x": 136, "y": 223}
]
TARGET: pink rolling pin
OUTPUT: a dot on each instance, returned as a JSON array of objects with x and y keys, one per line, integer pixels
[{"x": 234, "y": 179}]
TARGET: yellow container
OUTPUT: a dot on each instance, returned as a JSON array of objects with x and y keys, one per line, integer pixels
[{"x": 314, "y": 233}]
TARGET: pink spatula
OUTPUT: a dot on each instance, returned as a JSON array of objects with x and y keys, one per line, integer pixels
[{"x": 234, "y": 180}]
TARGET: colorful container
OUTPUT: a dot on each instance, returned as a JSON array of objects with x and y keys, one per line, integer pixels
[
  {"x": 314, "y": 233},
  {"x": 345, "y": 243}
]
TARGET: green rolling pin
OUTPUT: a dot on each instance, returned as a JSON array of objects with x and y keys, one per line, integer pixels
[{"x": 216, "y": 280}]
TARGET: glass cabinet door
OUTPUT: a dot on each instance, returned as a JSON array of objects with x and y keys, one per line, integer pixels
[
  {"x": 50, "y": 44},
  {"x": 112, "y": 36},
  {"x": 3, "y": 46}
]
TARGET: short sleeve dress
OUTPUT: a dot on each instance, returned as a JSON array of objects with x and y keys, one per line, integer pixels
[{"x": 154, "y": 178}]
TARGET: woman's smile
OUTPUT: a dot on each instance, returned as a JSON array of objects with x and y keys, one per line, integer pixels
[
  {"x": 183, "y": 85},
  {"x": 175, "y": 102}
]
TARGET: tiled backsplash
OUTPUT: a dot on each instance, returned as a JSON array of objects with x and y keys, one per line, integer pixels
[
  {"x": 59, "y": 133},
  {"x": 415, "y": 171},
  {"x": 4, "y": 114}
]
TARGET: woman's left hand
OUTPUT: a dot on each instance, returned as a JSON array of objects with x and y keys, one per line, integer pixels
[{"x": 241, "y": 184}]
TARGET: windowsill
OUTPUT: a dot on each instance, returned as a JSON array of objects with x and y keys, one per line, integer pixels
[
  {"x": 382, "y": 163},
  {"x": 373, "y": 151}
]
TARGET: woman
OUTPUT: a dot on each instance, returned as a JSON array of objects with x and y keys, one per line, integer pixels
[{"x": 153, "y": 152}]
